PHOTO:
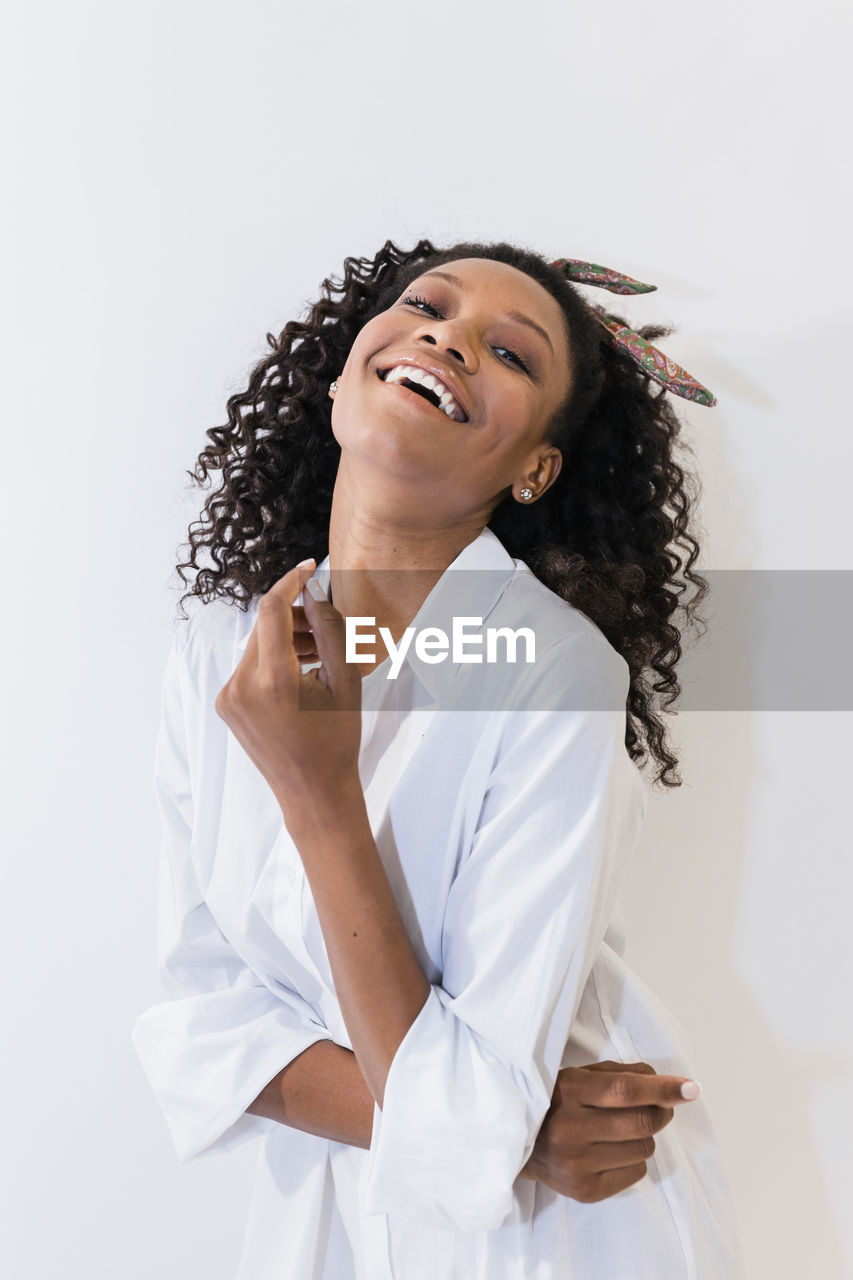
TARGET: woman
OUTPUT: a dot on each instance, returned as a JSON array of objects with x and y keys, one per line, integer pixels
[{"x": 390, "y": 873}]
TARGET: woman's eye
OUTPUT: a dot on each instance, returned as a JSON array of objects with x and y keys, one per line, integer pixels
[
  {"x": 515, "y": 356},
  {"x": 415, "y": 300}
]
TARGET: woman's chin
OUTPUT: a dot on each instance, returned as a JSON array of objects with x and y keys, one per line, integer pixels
[{"x": 396, "y": 443}]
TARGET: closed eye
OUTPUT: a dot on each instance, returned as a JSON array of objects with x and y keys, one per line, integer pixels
[{"x": 416, "y": 301}]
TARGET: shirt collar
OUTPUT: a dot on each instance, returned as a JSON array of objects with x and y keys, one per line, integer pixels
[{"x": 470, "y": 586}]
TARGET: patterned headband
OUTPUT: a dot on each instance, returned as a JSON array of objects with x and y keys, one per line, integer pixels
[{"x": 653, "y": 363}]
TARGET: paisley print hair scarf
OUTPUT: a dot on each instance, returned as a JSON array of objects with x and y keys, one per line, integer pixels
[{"x": 652, "y": 362}]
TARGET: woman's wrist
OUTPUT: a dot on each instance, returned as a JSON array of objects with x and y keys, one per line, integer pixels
[{"x": 310, "y": 806}]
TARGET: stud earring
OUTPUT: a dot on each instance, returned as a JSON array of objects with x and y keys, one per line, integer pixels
[
  {"x": 526, "y": 493},
  {"x": 333, "y": 386}
]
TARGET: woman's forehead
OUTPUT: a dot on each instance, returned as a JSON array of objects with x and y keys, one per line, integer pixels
[
  {"x": 510, "y": 286},
  {"x": 476, "y": 271}
]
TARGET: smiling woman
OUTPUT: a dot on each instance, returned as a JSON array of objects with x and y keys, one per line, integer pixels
[
  {"x": 388, "y": 933},
  {"x": 612, "y": 534}
]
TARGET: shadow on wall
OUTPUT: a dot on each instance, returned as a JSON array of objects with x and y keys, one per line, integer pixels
[
  {"x": 734, "y": 906},
  {"x": 681, "y": 901}
]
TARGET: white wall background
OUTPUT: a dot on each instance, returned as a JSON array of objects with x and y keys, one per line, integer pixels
[{"x": 179, "y": 177}]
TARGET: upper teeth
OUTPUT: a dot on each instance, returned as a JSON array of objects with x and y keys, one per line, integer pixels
[{"x": 414, "y": 374}]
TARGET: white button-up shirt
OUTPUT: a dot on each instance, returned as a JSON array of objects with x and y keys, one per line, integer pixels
[{"x": 505, "y": 809}]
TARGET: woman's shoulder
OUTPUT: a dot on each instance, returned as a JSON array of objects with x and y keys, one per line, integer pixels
[
  {"x": 211, "y": 632},
  {"x": 572, "y": 652}
]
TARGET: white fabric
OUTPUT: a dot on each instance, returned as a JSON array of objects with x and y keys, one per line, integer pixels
[{"x": 505, "y": 815}]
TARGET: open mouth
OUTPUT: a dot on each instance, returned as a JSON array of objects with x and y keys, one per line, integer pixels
[{"x": 427, "y": 385}]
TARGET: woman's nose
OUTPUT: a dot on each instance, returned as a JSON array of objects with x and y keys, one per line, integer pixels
[{"x": 449, "y": 338}]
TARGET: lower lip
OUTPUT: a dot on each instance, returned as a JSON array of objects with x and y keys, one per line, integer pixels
[{"x": 421, "y": 400}]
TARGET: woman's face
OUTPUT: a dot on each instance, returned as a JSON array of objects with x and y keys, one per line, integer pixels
[{"x": 496, "y": 341}]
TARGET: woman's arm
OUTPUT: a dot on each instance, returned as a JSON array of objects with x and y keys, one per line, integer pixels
[
  {"x": 379, "y": 982},
  {"x": 463, "y": 1072},
  {"x": 310, "y": 760},
  {"x": 586, "y": 1149},
  {"x": 321, "y": 1092},
  {"x": 220, "y": 1032}
]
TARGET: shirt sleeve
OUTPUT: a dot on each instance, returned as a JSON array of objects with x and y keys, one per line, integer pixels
[
  {"x": 221, "y": 1034},
  {"x": 471, "y": 1082}
]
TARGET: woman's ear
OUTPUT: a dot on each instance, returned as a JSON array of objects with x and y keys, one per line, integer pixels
[{"x": 543, "y": 475}]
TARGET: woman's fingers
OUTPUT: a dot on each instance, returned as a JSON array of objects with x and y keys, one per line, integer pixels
[
  {"x": 591, "y": 1171},
  {"x": 600, "y": 1087},
  {"x": 274, "y": 623},
  {"x": 644, "y": 1068},
  {"x": 623, "y": 1124},
  {"x": 305, "y": 648},
  {"x": 329, "y": 629},
  {"x": 609, "y": 1183},
  {"x": 600, "y": 1127},
  {"x": 303, "y": 636},
  {"x": 274, "y": 636},
  {"x": 601, "y": 1156}
]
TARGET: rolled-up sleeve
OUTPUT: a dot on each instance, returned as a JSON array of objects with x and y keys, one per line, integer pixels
[
  {"x": 221, "y": 1034},
  {"x": 472, "y": 1080}
]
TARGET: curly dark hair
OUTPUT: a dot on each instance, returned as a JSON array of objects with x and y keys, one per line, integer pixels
[{"x": 610, "y": 535}]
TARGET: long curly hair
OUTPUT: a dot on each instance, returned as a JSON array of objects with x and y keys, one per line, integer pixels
[{"x": 612, "y": 535}]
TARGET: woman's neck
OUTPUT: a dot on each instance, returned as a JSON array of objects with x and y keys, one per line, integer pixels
[{"x": 384, "y": 562}]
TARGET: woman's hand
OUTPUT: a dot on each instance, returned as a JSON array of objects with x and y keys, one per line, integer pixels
[
  {"x": 598, "y": 1132},
  {"x": 302, "y": 731}
]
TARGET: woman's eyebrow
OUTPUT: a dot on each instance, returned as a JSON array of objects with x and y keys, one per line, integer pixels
[{"x": 514, "y": 315}]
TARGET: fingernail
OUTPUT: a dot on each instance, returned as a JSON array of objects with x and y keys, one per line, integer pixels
[
  {"x": 315, "y": 589},
  {"x": 303, "y": 563},
  {"x": 691, "y": 1089}
]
